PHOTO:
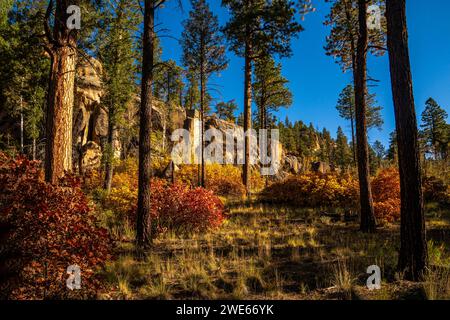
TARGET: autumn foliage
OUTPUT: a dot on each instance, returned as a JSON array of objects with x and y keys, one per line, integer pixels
[
  {"x": 314, "y": 190},
  {"x": 386, "y": 195},
  {"x": 223, "y": 180},
  {"x": 332, "y": 190},
  {"x": 176, "y": 207},
  {"x": 435, "y": 190},
  {"x": 182, "y": 209},
  {"x": 44, "y": 229}
]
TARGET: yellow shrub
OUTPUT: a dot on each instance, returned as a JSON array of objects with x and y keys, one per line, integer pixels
[{"x": 224, "y": 180}]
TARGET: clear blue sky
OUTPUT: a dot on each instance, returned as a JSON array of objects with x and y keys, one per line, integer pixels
[{"x": 316, "y": 80}]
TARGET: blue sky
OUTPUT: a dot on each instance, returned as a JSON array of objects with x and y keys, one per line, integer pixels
[{"x": 316, "y": 80}]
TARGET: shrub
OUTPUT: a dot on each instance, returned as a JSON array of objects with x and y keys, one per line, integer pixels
[
  {"x": 223, "y": 180},
  {"x": 386, "y": 195},
  {"x": 174, "y": 207},
  {"x": 435, "y": 190},
  {"x": 183, "y": 210},
  {"x": 46, "y": 228},
  {"x": 333, "y": 190},
  {"x": 314, "y": 190}
]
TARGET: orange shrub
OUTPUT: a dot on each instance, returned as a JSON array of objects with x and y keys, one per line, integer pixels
[{"x": 386, "y": 195}]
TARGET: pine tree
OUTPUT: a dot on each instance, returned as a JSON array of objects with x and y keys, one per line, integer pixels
[
  {"x": 343, "y": 152},
  {"x": 192, "y": 94},
  {"x": 380, "y": 152},
  {"x": 258, "y": 29},
  {"x": 346, "y": 109},
  {"x": 150, "y": 59},
  {"x": 143, "y": 223},
  {"x": 23, "y": 86},
  {"x": 368, "y": 222},
  {"x": 342, "y": 41},
  {"x": 169, "y": 84},
  {"x": 435, "y": 128},
  {"x": 203, "y": 54},
  {"x": 392, "y": 152},
  {"x": 413, "y": 255},
  {"x": 117, "y": 53},
  {"x": 327, "y": 147},
  {"x": 269, "y": 90},
  {"x": 226, "y": 110}
]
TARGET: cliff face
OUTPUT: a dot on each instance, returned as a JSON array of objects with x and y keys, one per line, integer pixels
[
  {"x": 90, "y": 124},
  {"x": 91, "y": 119}
]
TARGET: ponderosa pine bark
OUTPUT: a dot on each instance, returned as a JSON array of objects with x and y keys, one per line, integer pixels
[
  {"x": 351, "y": 38},
  {"x": 62, "y": 48},
  {"x": 109, "y": 167},
  {"x": 368, "y": 223},
  {"x": 143, "y": 227},
  {"x": 413, "y": 256},
  {"x": 202, "y": 127},
  {"x": 247, "y": 114}
]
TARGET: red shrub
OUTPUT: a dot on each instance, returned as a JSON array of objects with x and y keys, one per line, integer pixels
[
  {"x": 174, "y": 207},
  {"x": 45, "y": 229},
  {"x": 180, "y": 209}
]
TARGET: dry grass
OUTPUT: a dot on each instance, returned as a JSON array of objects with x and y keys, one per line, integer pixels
[{"x": 266, "y": 252}]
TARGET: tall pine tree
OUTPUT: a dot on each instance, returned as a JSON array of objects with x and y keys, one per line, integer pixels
[
  {"x": 269, "y": 90},
  {"x": 435, "y": 130},
  {"x": 203, "y": 54},
  {"x": 258, "y": 29}
]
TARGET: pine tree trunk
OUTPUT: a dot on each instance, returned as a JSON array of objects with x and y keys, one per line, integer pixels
[
  {"x": 351, "y": 39},
  {"x": 352, "y": 122},
  {"x": 109, "y": 168},
  {"x": 21, "y": 125},
  {"x": 59, "y": 113},
  {"x": 368, "y": 223},
  {"x": 62, "y": 48},
  {"x": 143, "y": 229},
  {"x": 247, "y": 115},
  {"x": 34, "y": 149},
  {"x": 413, "y": 257},
  {"x": 202, "y": 115}
]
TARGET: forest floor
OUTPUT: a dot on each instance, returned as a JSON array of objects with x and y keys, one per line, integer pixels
[{"x": 270, "y": 252}]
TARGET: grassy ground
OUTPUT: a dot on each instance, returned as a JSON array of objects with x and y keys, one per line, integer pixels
[{"x": 265, "y": 252}]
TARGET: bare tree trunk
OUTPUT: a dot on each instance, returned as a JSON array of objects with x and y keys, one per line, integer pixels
[
  {"x": 368, "y": 223},
  {"x": 247, "y": 115},
  {"x": 143, "y": 228},
  {"x": 413, "y": 257}
]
